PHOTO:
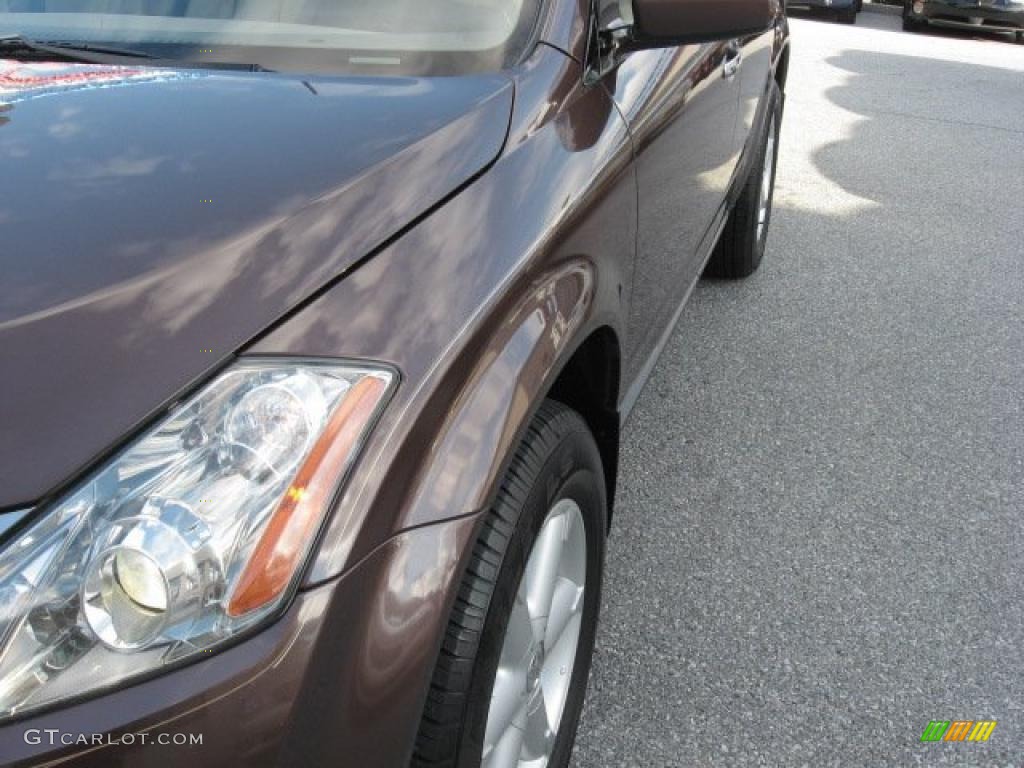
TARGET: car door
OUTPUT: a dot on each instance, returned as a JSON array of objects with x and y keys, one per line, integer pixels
[{"x": 681, "y": 105}]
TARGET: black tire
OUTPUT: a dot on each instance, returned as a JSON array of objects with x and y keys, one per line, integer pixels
[
  {"x": 1020, "y": 38},
  {"x": 739, "y": 250},
  {"x": 912, "y": 25},
  {"x": 847, "y": 15},
  {"x": 557, "y": 459}
]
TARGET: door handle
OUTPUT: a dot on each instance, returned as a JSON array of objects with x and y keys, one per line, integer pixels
[{"x": 732, "y": 61}]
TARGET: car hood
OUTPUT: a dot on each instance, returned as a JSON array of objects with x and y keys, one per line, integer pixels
[{"x": 155, "y": 221}]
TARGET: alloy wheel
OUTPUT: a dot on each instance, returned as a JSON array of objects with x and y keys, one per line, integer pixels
[
  {"x": 539, "y": 649},
  {"x": 767, "y": 175}
]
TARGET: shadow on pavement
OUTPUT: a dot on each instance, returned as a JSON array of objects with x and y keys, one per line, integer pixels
[{"x": 939, "y": 115}]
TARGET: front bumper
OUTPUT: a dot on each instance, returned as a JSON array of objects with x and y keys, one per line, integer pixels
[
  {"x": 340, "y": 679},
  {"x": 981, "y": 16}
]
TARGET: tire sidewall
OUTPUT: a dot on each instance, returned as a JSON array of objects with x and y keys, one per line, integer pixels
[{"x": 571, "y": 471}]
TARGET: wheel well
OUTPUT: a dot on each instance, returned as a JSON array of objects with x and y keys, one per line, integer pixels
[
  {"x": 589, "y": 384},
  {"x": 782, "y": 70}
]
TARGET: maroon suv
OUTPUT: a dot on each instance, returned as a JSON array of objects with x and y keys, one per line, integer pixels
[{"x": 318, "y": 323}]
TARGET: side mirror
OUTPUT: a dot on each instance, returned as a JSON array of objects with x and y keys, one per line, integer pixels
[{"x": 665, "y": 23}]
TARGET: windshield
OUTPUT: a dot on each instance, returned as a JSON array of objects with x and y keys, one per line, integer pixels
[{"x": 363, "y": 36}]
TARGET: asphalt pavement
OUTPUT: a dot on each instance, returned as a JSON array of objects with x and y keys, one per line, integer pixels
[{"x": 817, "y": 547}]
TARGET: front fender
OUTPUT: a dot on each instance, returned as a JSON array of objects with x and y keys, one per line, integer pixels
[
  {"x": 530, "y": 344},
  {"x": 478, "y": 306}
]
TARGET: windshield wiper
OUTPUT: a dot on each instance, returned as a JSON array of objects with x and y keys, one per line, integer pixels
[
  {"x": 65, "y": 51},
  {"x": 20, "y": 47}
]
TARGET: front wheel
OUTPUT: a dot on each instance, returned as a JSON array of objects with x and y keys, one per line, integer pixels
[
  {"x": 508, "y": 687},
  {"x": 847, "y": 15},
  {"x": 741, "y": 246}
]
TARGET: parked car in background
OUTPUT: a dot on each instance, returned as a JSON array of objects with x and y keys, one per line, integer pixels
[
  {"x": 843, "y": 11},
  {"x": 318, "y": 324},
  {"x": 1005, "y": 16}
]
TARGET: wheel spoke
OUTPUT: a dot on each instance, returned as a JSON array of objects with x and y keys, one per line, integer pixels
[
  {"x": 567, "y": 601},
  {"x": 556, "y": 674},
  {"x": 539, "y": 732},
  {"x": 518, "y": 633},
  {"x": 505, "y": 754},
  {"x": 507, "y": 701},
  {"x": 508, "y": 696},
  {"x": 542, "y": 572}
]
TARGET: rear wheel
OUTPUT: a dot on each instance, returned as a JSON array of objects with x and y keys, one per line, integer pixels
[
  {"x": 508, "y": 688},
  {"x": 910, "y": 24},
  {"x": 1020, "y": 38},
  {"x": 847, "y": 15},
  {"x": 741, "y": 247}
]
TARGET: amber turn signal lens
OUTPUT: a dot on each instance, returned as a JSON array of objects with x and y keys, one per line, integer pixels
[{"x": 286, "y": 538}]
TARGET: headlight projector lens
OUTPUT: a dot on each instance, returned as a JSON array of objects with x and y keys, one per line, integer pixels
[
  {"x": 149, "y": 577},
  {"x": 125, "y": 598}
]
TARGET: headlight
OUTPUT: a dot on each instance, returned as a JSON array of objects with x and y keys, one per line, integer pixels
[{"x": 193, "y": 534}]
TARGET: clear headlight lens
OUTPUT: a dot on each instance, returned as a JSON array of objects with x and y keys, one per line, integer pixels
[{"x": 190, "y": 536}]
